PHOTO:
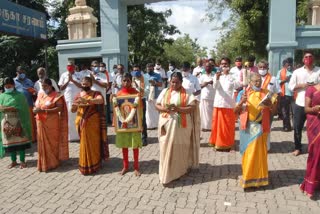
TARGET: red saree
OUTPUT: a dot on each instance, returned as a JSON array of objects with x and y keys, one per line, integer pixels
[{"x": 311, "y": 180}]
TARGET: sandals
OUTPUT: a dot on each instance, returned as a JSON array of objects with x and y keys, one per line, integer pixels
[{"x": 13, "y": 164}]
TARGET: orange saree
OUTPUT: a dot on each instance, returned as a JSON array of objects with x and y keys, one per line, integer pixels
[
  {"x": 91, "y": 126},
  {"x": 52, "y": 131}
]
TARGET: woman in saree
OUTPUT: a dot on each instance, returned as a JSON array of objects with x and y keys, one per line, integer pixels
[
  {"x": 52, "y": 127},
  {"x": 133, "y": 139},
  {"x": 179, "y": 151},
  {"x": 91, "y": 126},
  {"x": 311, "y": 181},
  {"x": 15, "y": 134},
  {"x": 254, "y": 131}
]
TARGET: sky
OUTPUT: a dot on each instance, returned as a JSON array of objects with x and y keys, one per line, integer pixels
[{"x": 187, "y": 16}]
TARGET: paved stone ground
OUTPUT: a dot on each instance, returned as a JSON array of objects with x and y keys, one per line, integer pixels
[{"x": 213, "y": 189}]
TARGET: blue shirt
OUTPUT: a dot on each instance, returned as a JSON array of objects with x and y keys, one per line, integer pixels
[
  {"x": 286, "y": 88},
  {"x": 153, "y": 76},
  {"x": 22, "y": 86}
]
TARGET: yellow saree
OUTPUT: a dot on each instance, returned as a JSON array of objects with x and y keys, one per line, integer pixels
[
  {"x": 90, "y": 123},
  {"x": 253, "y": 142}
]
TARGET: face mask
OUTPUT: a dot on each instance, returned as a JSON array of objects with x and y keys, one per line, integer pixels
[
  {"x": 289, "y": 68},
  {"x": 70, "y": 68},
  {"x": 308, "y": 61},
  {"x": 95, "y": 69},
  {"x": 115, "y": 70},
  {"x": 185, "y": 73},
  {"x": 21, "y": 76},
  {"x": 171, "y": 68},
  {"x": 9, "y": 90},
  {"x": 263, "y": 72},
  {"x": 102, "y": 69},
  {"x": 255, "y": 88},
  {"x": 158, "y": 67},
  {"x": 46, "y": 91},
  {"x": 136, "y": 73},
  {"x": 225, "y": 68},
  {"x": 86, "y": 88},
  {"x": 238, "y": 64}
]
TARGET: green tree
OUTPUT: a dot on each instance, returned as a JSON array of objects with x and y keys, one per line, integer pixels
[
  {"x": 148, "y": 34},
  {"x": 245, "y": 32},
  {"x": 21, "y": 51},
  {"x": 184, "y": 49}
]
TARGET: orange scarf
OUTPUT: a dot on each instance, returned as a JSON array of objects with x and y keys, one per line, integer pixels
[
  {"x": 283, "y": 76},
  {"x": 266, "y": 81},
  {"x": 182, "y": 102}
]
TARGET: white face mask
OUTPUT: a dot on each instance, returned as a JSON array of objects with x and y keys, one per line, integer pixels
[
  {"x": 171, "y": 68},
  {"x": 263, "y": 72},
  {"x": 185, "y": 73},
  {"x": 157, "y": 67},
  {"x": 102, "y": 69}
]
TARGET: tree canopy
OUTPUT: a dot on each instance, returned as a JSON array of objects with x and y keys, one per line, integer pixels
[{"x": 245, "y": 31}]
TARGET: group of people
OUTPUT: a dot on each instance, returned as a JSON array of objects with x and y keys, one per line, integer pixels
[{"x": 179, "y": 103}]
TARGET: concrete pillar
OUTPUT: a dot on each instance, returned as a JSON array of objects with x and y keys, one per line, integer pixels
[
  {"x": 114, "y": 32},
  {"x": 282, "y": 32}
]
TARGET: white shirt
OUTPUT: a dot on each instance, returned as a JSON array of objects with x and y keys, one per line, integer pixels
[
  {"x": 207, "y": 92},
  {"x": 112, "y": 75},
  {"x": 71, "y": 90},
  {"x": 163, "y": 75},
  {"x": 191, "y": 84},
  {"x": 102, "y": 78},
  {"x": 225, "y": 87},
  {"x": 169, "y": 73},
  {"x": 273, "y": 86},
  {"x": 300, "y": 76},
  {"x": 197, "y": 70},
  {"x": 235, "y": 72},
  {"x": 38, "y": 86},
  {"x": 117, "y": 81}
]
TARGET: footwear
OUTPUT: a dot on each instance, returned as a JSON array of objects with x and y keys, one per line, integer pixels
[
  {"x": 23, "y": 165},
  {"x": 287, "y": 129},
  {"x": 144, "y": 143},
  {"x": 296, "y": 152},
  {"x": 13, "y": 164}
]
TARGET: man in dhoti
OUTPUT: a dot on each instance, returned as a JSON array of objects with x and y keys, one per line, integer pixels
[
  {"x": 152, "y": 83},
  {"x": 70, "y": 83}
]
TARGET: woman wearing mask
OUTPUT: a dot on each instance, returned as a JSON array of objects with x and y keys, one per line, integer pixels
[
  {"x": 15, "y": 134},
  {"x": 52, "y": 127},
  {"x": 91, "y": 126}
]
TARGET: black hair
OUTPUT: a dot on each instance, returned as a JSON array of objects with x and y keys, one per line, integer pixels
[
  {"x": 8, "y": 80},
  {"x": 94, "y": 62},
  {"x": 89, "y": 79},
  {"x": 211, "y": 59},
  {"x": 172, "y": 63},
  {"x": 251, "y": 58},
  {"x": 290, "y": 60},
  {"x": 104, "y": 64},
  {"x": 20, "y": 68},
  {"x": 48, "y": 82},
  {"x": 136, "y": 66},
  {"x": 186, "y": 65},
  {"x": 284, "y": 62},
  {"x": 178, "y": 75},
  {"x": 150, "y": 65},
  {"x": 238, "y": 59},
  {"x": 114, "y": 66},
  {"x": 127, "y": 75},
  {"x": 225, "y": 59}
]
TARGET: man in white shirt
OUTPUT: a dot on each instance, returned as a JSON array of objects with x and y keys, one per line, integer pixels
[
  {"x": 298, "y": 84},
  {"x": 197, "y": 71},
  {"x": 224, "y": 119},
  {"x": 117, "y": 81},
  {"x": 172, "y": 69},
  {"x": 70, "y": 83},
  {"x": 99, "y": 79},
  {"x": 207, "y": 98},
  {"x": 42, "y": 75},
  {"x": 235, "y": 72},
  {"x": 190, "y": 82}
]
